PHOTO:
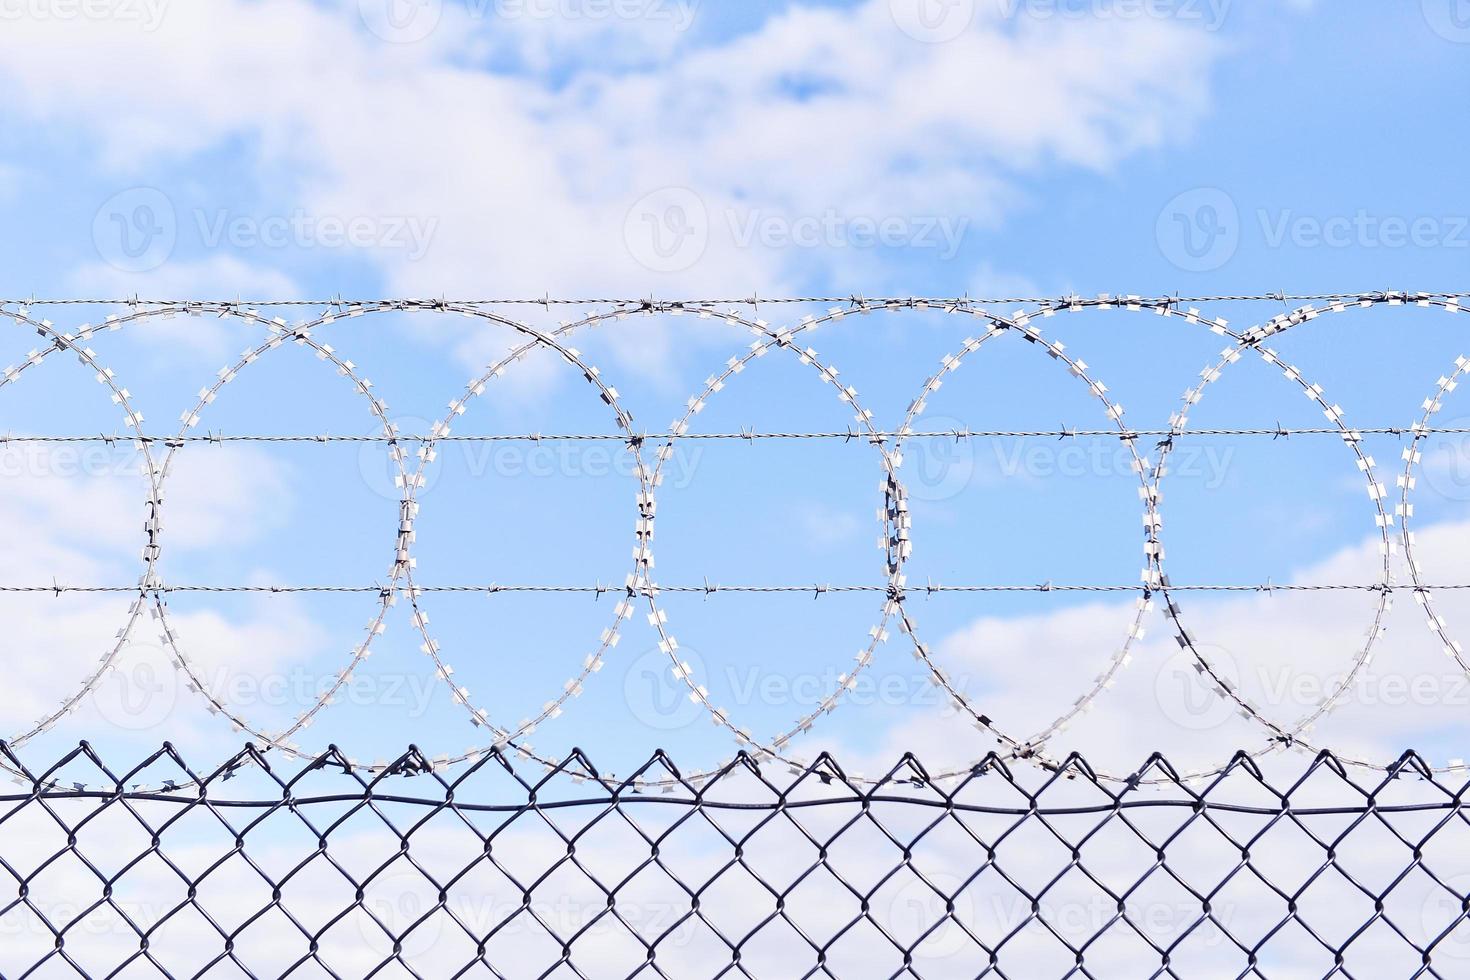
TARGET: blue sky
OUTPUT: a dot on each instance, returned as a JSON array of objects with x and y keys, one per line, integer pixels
[
  {"x": 687, "y": 148},
  {"x": 292, "y": 149}
]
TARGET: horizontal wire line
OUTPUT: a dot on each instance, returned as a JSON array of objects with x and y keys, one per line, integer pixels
[
  {"x": 813, "y": 589},
  {"x": 851, "y": 435},
  {"x": 753, "y": 300}
]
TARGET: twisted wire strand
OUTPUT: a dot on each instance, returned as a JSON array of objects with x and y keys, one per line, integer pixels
[
  {"x": 1414, "y": 432},
  {"x": 816, "y": 590},
  {"x": 548, "y": 300}
]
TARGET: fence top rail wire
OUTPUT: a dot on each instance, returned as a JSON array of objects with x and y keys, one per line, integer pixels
[
  {"x": 813, "y": 589},
  {"x": 906, "y": 782},
  {"x": 847, "y": 436}
]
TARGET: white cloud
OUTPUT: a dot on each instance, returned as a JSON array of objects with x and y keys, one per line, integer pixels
[
  {"x": 80, "y": 523},
  {"x": 531, "y": 180},
  {"x": 1286, "y": 650}
]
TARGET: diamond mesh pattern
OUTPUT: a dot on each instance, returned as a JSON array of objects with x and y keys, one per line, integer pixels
[{"x": 1306, "y": 869}]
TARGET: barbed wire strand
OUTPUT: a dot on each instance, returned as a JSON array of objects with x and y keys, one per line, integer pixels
[
  {"x": 548, "y": 300},
  {"x": 816, "y": 590},
  {"x": 1066, "y": 432}
]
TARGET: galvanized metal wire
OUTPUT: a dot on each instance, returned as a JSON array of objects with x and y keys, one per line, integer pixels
[
  {"x": 255, "y": 867},
  {"x": 642, "y": 587}
]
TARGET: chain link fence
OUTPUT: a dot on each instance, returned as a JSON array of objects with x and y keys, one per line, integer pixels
[{"x": 1305, "y": 867}]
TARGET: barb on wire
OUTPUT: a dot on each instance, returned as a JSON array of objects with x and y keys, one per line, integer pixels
[
  {"x": 712, "y": 588},
  {"x": 651, "y": 304},
  {"x": 745, "y": 435}
]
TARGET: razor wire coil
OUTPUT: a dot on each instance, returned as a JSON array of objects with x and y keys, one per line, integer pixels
[{"x": 789, "y": 341}]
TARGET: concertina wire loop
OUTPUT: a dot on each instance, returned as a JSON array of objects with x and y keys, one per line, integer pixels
[{"x": 893, "y": 516}]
